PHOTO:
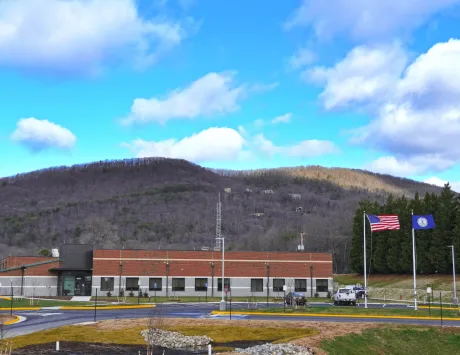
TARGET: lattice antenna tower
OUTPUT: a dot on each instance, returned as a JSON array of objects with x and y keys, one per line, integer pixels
[{"x": 218, "y": 225}]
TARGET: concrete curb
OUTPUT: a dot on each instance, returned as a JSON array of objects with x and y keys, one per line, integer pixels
[
  {"x": 15, "y": 320},
  {"x": 330, "y": 315},
  {"x": 78, "y": 308}
]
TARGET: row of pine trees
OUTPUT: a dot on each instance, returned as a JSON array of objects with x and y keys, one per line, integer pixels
[{"x": 390, "y": 252}]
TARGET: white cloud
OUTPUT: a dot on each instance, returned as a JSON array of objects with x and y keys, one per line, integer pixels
[
  {"x": 440, "y": 182},
  {"x": 301, "y": 58},
  {"x": 286, "y": 118},
  {"x": 363, "y": 20},
  {"x": 81, "y": 36},
  {"x": 423, "y": 116},
  {"x": 365, "y": 74},
  {"x": 212, "y": 94},
  {"x": 415, "y": 110},
  {"x": 212, "y": 144},
  {"x": 409, "y": 165},
  {"x": 303, "y": 149},
  {"x": 38, "y": 135},
  {"x": 226, "y": 144}
]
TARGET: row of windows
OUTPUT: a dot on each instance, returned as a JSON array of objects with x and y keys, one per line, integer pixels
[{"x": 201, "y": 284}]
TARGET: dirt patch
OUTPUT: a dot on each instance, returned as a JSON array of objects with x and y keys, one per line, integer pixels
[
  {"x": 76, "y": 348},
  {"x": 327, "y": 330}
]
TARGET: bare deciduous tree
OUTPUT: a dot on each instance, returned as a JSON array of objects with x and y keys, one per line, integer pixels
[
  {"x": 100, "y": 231},
  {"x": 169, "y": 203},
  {"x": 155, "y": 323}
]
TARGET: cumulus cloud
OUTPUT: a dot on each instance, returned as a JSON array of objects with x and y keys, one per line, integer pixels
[
  {"x": 409, "y": 165},
  {"x": 362, "y": 20},
  {"x": 212, "y": 144},
  {"x": 415, "y": 110},
  {"x": 286, "y": 118},
  {"x": 39, "y": 135},
  {"x": 434, "y": 180},
  {"x": 304, "y": 149},
  {"x": 82, "y": 36},
  {"x": 366, "y": 74},
  {"x": 422, "y": 120},
  {"x": 211, "y": 95},
  {"x": 226, "y": 144}
]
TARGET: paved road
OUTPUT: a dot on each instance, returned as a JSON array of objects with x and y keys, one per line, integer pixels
[{"x": 51, "y": 318}]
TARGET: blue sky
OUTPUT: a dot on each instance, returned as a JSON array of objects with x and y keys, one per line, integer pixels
[{"x": 240, "y": 85}]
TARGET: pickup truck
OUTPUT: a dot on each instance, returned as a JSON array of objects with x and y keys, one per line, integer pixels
[
  {"x": 359, "y": 291},
  {"x": 344, "y": 295}
]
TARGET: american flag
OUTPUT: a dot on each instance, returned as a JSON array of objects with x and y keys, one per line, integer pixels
[{"x": 383, "y": 222}]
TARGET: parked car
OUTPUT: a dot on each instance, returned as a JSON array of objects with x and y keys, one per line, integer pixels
[
  {"x": 359, "y": 291},
  {"x": 345, "y": 295},
  {"x": 297, "y": 298}
]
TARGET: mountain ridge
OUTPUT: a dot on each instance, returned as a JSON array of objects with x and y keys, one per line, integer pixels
[{"x": 171, "y": 203}]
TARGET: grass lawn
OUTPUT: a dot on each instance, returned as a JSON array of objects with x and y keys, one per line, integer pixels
[
  {"x": 396, "y": 341},
  {"x": 131, "y": 335},
  {"x": 437, "y": 282},
  {"x": 361, "y": 311}
]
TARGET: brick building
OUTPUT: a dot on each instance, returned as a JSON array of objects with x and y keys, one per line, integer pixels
[{"x": 80, "y": 270}]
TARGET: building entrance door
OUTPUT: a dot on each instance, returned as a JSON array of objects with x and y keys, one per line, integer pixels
[{"x": 69, "y": 285}]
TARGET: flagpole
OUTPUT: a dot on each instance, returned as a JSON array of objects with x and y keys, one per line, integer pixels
[
  {"x": 413, "y": 261},
  {"x": 365, "y": 261}
]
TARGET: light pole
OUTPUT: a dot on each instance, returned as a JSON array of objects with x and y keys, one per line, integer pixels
[
  {"x": 453, "y": 271},
  {"x": 222, "y": 302}
]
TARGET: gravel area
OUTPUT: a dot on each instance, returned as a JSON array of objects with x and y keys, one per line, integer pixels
[
  {"x": 276, "y": 349},
  {"x": 174, "y": 340}
]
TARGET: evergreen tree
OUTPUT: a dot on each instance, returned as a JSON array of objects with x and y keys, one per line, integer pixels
[
  {"x": 400, "y": 242},
  {"x": 442, "y": 234},
  {"x": 418, "y": 207},
  {"x": 456, "y": 234},
  {"x": 392, "y": 250},
  {"x": 424, "y": 237},
  {"x": 357, "y": 247}
]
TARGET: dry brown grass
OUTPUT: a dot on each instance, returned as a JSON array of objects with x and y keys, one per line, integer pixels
[{"x": 327, "y": 330}]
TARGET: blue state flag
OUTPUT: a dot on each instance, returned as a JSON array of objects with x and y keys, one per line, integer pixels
[{"x": 423, "y": 221}]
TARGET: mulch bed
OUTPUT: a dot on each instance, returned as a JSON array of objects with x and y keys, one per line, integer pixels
[{"x": 76, "y": 348}]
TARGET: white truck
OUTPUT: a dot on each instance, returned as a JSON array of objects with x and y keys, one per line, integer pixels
[{"x": 345, "y": 295}]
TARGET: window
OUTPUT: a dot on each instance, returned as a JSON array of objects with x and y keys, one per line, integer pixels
[
  {"x": 219, "y": 284},
  {"x": 106, "y": 283},
  {"x": 322, "y": 285},
  {"x": 201, "y": 284},
  {"x": 300, "y": 285},
  {"x": 278, "y": 285},
  {"x": 257, "y": 285},
  {"x": 178, "y": 284},
  {"x": 132, "y": 283},
  {"x": 155, "y": 284}
]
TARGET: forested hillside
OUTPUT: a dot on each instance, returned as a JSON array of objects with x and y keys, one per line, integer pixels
[
  {"x": 391, "y": 251},
  {"x": 167, "y": 203}
]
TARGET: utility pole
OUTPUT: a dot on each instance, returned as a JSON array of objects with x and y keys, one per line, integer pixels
[
  {"x": 455, "y": 300},
  {"x": 218, "y": 225},
  {"x": 220, "y": 241}
]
